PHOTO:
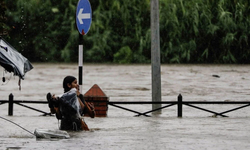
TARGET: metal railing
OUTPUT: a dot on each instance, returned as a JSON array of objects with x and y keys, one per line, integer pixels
[
  {"x": 180, "y": 104},
  {"x": 117, "y": 104},
  {"x": 11, "y": 102}
]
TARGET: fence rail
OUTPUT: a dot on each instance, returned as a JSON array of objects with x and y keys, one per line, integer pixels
[
  {"x": 180, "y": 104},
  {"x": 116, "y": 104},
  {"x": 11, "y": 102}
]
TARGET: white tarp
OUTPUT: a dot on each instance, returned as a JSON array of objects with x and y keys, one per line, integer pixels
[{"x": 48, "y": 134}]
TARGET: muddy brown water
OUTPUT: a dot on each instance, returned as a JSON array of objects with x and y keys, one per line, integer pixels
[{"x": 121, "y": 130}]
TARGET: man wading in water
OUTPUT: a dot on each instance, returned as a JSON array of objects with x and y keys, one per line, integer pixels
[{"x": 70, "y": 106}]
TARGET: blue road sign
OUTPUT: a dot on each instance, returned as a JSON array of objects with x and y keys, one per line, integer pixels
[{"x": 83, "y": 16}]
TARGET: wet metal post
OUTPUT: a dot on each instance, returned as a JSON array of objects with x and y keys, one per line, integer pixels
[
  {"x": 11, "y": 98},
  {"x": 179, "y": 106},
  {"x": 155, "y": 55},
  {"x": 80, "y": 62}
]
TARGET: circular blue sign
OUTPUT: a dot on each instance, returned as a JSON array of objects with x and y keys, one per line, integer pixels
[{"x": 83, "y": 16}]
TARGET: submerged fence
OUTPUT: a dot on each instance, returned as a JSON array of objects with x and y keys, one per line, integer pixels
[
  {"x": 11, "y": 102},
  {"x": 180, "y": 104},
  {"x": 116, "y": 104}
]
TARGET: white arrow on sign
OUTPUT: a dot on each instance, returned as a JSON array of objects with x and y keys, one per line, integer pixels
[{"x": 81, "y": 16}]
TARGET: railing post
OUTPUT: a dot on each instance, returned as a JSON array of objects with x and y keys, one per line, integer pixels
[
  {"x": 11, "y": 97},
  {"x": 179, "y": 105}
]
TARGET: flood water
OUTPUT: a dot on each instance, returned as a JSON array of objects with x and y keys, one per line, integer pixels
[{"x": 197, "y": 129}]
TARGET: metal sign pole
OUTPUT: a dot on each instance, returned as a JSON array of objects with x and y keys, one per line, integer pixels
[
  {"x": 83, "y": 22},
  {"x": 80, "y": 61}
]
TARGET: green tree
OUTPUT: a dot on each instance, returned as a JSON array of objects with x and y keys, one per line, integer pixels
[
  {"x": 118, "y": 24},
  {"x": 43, "y": 29},
  {"x": 4, "y": 28},
  {"x": 199, "y": 31},
  {"x": 191, "y": 31}
]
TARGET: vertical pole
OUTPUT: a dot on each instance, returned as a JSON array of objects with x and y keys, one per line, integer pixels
[
  {"x": 80, "y": 61},
  {"x": 179, "y": 105},
  {"x": 155, "y": 55},
  {"x": 80, "y": 67},
  {"x": 11, "y": 98}
]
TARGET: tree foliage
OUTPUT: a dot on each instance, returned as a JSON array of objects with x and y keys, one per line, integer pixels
[
  {"x": 205, "y": 31},
  {"x": 3, "y": 27},
  {"x": 191, "y": 31}
]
